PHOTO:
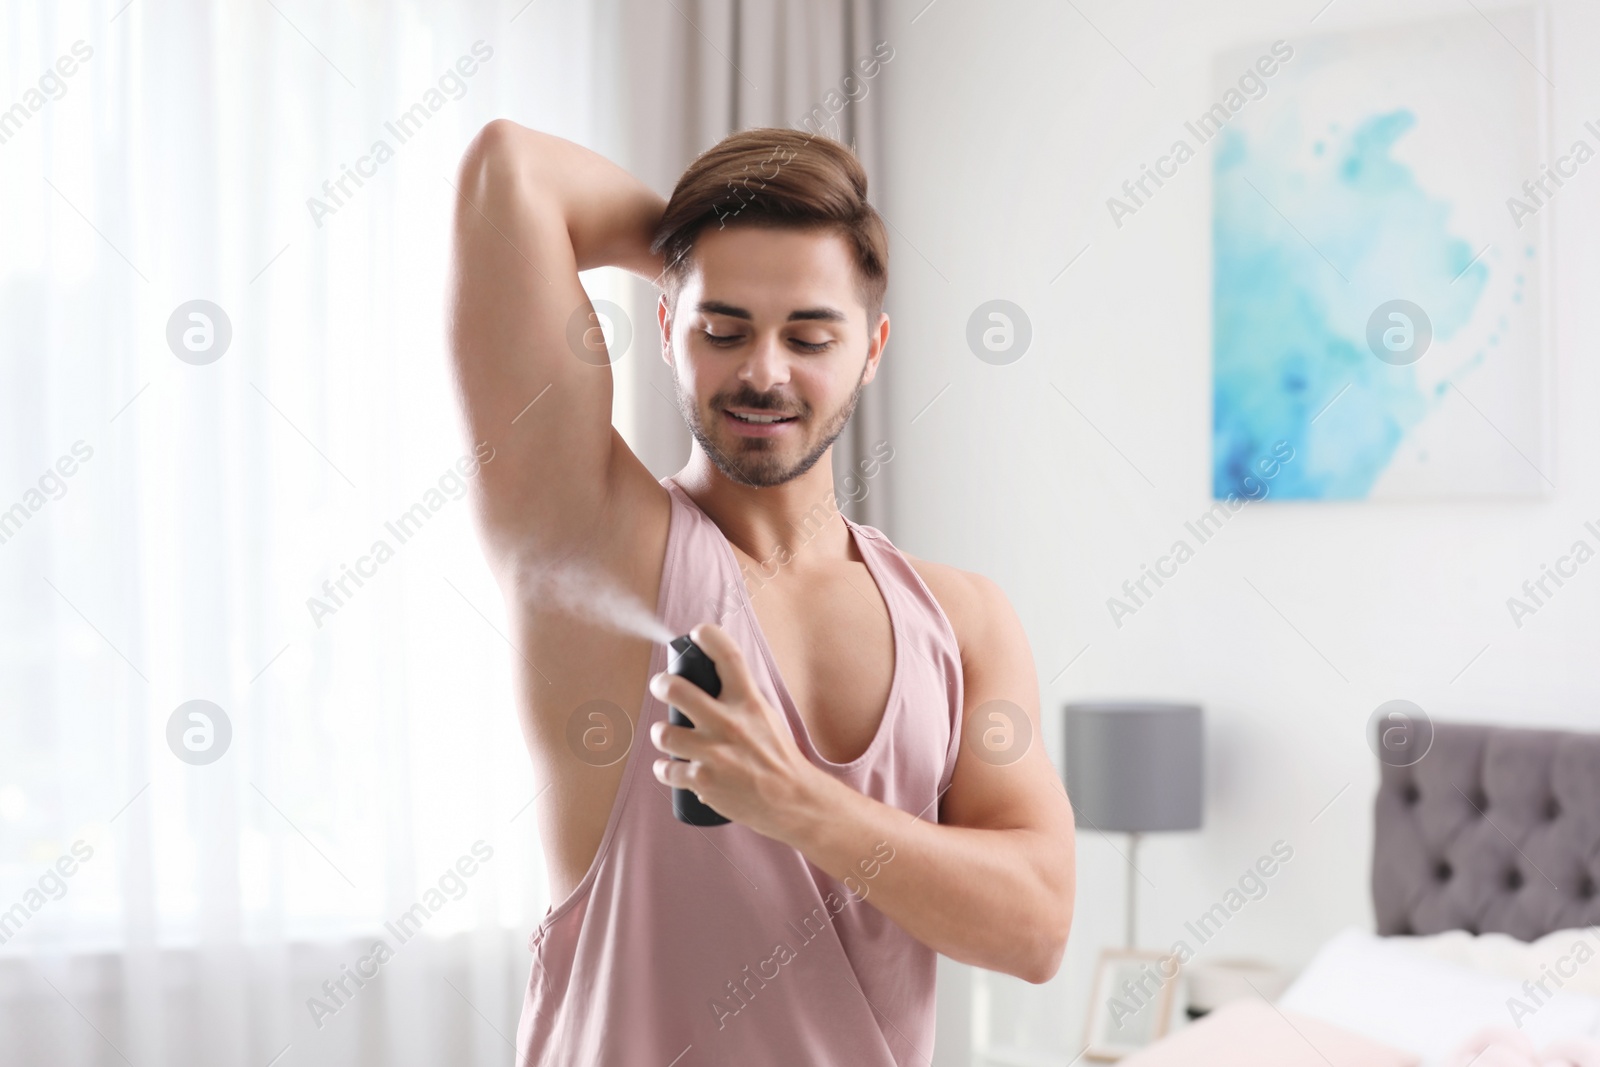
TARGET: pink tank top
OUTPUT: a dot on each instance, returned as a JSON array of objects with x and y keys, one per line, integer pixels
[{"x": 691, "y": 947}]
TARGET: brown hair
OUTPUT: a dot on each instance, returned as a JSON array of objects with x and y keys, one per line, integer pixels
[{"x": 769, "y": 176}]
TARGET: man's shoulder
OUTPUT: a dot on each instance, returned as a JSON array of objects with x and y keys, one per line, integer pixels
[{"x": 973, "y": 603}]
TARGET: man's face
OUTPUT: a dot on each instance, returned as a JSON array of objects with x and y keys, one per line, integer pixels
[{"x": 770, "y": 348}]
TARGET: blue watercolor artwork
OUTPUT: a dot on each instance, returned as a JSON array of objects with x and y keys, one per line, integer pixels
[{"x": 1320, "y": 216}]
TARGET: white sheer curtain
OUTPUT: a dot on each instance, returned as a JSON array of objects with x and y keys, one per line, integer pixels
[{"x": 178, "y": 481}]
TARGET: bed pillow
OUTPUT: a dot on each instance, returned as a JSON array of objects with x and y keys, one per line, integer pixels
[
  {"x": 1572, "y": 957},
  {"x": 1253, "y": 1033},
  {"x": 1401, "y": 996}
]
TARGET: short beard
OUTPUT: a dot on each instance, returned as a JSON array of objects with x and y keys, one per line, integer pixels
[{"x": 761, "y": 469}]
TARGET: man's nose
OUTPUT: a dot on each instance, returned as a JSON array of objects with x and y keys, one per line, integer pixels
[{"x": 766, "y": 366}]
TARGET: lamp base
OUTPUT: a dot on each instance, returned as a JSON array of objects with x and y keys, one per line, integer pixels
[{"x": 1131, "y": 915}]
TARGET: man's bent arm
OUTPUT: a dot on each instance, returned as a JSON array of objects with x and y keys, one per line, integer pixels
[
  {"x": 610, "y": 215},
  {"x": 991, "y": 884},
  {"x": 531, "y": 211}
]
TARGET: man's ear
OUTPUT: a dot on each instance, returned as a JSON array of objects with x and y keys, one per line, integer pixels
[
  {"x": 664, "y": 320},
  {"x": 877, "y": 340}
]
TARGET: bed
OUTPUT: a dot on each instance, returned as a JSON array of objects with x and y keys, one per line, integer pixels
[{"x": 1486, "y": 859}]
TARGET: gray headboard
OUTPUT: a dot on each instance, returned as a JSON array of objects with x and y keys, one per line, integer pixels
[{"x": 1495, "y": 830}]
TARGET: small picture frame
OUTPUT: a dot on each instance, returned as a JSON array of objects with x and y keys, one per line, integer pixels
[{"x": 1132, "y": 1003}]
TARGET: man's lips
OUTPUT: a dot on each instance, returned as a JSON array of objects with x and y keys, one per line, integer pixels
[{"x": 749, "y": 423}]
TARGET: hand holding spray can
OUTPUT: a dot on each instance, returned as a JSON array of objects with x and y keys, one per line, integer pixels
[{"x": 687, "y": 660}]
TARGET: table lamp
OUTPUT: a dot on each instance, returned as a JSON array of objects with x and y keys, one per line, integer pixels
[{"x": 1135, "y": 767}]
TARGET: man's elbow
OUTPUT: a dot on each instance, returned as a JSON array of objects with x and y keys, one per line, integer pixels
[
  {"x": 492, "y": 151},
  {"x": 1048, "y": 949},
  {"x": 1057, "y": 901},
  {"x": 496, "y": 163}
]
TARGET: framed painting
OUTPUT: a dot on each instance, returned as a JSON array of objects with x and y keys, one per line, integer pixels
[{"x": 1379, "y": 202}]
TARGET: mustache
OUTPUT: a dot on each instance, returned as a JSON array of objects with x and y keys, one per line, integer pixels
[{"x": 746, "y": 397}]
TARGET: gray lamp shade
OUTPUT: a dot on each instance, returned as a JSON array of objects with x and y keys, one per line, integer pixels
[{"x": 1135, "y": 767}]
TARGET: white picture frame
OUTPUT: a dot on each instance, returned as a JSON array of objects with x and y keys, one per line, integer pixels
[{"x": 1133, "y": 1000}]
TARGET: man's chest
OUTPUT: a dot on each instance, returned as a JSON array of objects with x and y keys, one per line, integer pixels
[{"x": 828, "y": 629}]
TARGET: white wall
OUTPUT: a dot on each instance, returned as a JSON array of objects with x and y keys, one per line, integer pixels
[{"x": 1007, "y": 127}]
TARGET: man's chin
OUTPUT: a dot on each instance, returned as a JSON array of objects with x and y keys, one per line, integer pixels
[{"x": 757, "y": 464}]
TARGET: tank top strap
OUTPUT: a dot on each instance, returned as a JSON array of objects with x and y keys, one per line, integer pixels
[{"x": 927, "y": 633}]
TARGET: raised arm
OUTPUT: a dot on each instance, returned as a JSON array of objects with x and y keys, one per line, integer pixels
[{"x": 531, "y": 211}]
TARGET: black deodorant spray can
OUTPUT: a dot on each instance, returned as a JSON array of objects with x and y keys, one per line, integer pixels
[{"x": 687, "y": 660}]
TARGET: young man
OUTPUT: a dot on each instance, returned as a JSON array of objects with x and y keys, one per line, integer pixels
[{"x": 874, "y": 742}]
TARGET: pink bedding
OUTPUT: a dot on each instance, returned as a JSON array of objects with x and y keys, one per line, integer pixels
[
  {"x": 1501, "y": 1046},
  {"x": 1253, "y": 1033}
]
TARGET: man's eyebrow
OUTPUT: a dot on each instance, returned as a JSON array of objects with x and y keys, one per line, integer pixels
[{"x": 817, "y": 314}]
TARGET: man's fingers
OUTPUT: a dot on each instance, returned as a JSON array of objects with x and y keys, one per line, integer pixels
[
  {"x": 734, "y": 673},
  {"x": 676, "y": 773},
  {"x": 680, "y": 741},
  {"x": 703, "y": 709}
]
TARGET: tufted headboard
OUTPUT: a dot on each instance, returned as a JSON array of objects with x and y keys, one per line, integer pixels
[{"x": 1494, "y": 830}]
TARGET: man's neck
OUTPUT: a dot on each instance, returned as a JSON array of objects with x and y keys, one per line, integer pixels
[{"x": 799, "y": 518}]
